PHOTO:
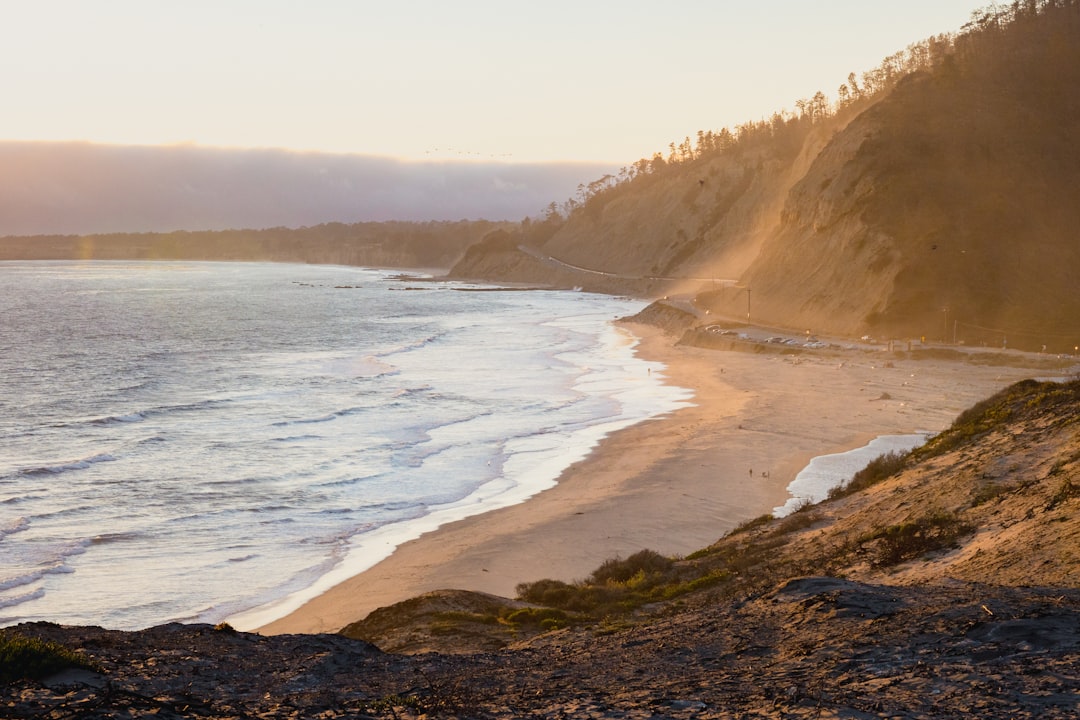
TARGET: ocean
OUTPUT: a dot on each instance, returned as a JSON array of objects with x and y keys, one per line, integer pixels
[
  {"x": 201, "y": 442},
  {"x": 825, "y": 472}
]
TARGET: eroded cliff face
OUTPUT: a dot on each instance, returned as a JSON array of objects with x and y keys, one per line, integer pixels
[
  {"x": 821, "y": 266},
  {"x": 782, "y": 219},
  {"x": 685, "y": 229},
  {"x": 705, "y": 222},
  {"x": 944, "y": 211},
  {"x": 947, "y": 208}
]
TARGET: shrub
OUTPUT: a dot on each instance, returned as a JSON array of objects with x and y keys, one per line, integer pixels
[
  {"x": 710, "y": 579},
  {"x": 908, "y": 540},
  {"x": 877, "y": 470},
  {"x": 1065, "y": 492},
  {"x": 23, "y": 658},
  {"x": 543, "y": 618},
  {"x": 554, "y": 593},
  {"x": 614, "y": 588},
  {"x": 798, "y": 520},
  {"x": 752, "y": 524},
  {"x": 988, "y": 493},
  {"x": 644, "y": 563}
]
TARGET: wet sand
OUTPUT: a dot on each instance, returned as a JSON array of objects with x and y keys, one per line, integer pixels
[{"x": 677, "y": 483}]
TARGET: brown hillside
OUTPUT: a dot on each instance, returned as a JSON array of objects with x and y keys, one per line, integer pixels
[
  {"x": 956, "y": 191},
  {"x": 940, "y": 201},
  {"x": 674, "y": 229},
  {"x": 992, "y": 499},
  {"x": 706, "y": 222}
]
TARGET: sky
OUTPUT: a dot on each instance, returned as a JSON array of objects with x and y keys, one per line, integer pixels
[{"x": 590, "y": 81}]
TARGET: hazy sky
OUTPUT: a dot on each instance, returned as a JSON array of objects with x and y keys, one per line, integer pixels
[{"x": 587, "y": 80}]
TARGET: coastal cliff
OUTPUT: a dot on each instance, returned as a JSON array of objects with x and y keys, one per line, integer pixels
[{"x": 936, "y": 199}]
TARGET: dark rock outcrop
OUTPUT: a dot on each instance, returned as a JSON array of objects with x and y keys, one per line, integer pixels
[{"x": 812, "y": 647}]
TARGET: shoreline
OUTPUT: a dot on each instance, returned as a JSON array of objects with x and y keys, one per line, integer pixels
[
  {"x": 533, "y": 463},
  {"x": 673, "y": 484}
]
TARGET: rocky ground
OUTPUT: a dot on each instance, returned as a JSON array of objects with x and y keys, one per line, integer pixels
[
  {"x": 947, "y": 587},
  {"x": 814, "y": 647}
]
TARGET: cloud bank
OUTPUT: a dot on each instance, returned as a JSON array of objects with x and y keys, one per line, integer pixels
[{"x": 82, "y": 188}]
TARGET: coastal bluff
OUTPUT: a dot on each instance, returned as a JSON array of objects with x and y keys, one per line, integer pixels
[{"x": 937, "y": 200}]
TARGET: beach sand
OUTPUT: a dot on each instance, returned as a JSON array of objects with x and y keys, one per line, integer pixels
[{"x": 677, "y": 483}]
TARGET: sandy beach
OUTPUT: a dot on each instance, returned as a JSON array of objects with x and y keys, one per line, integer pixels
[{"x": 676, "y": 483}]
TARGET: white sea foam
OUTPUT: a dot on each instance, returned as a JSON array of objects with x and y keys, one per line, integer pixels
[
  {"x": 44, "y": 562},
  {"x": 825, "y": 472},
  {"x": 270, "y": 434},
  {"x": 6, "y": 602},
  {"x": 8, "y": 583},
  {"x": 13, "y": 526},
  {"x": 531, "y": 463}
]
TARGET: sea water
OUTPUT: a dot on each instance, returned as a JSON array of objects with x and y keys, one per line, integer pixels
[
  {"x": 825, "y": 472},
  {"x": 202, "y": 441}
]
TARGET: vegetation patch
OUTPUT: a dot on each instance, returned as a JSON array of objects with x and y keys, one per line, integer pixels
[
  {"x": 619, "y": 587},
  {"x": 541, "y": 618},
  {"x": 1066, "y": 491},
  {"x": 753, "y": 524},
  {"x": 23, "y": 658},
  {"x": 877, "y": 470},
  {"x": 1023, "y": 399},
  {"x": 712, "y": 578},
  {"x": 990, "y": 493},
  {"x": 908, "y": 540},
  {"x": 641, "y": 564},
  {"x": 615, "y": 588},
  {"x": 798, "y": 520}
]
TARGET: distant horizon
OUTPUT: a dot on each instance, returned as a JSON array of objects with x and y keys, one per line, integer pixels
[
  {"x": 347, "y": 112},
  {"x": 192, "y": 145},
  {"x": 594, "y": 83},
  {"x": 80, "y": 188}
]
